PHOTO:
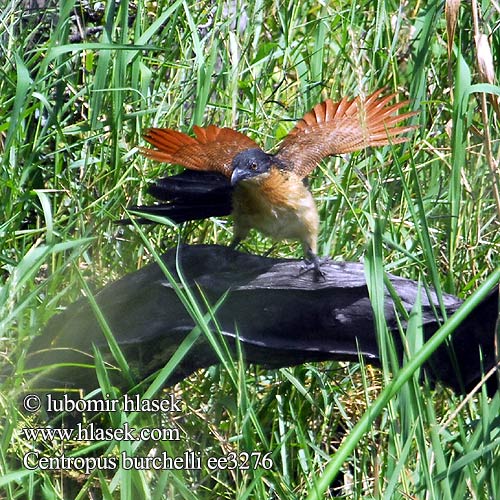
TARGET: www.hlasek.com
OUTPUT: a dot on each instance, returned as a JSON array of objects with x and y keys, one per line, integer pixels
[{"x": 90, "y": 432}]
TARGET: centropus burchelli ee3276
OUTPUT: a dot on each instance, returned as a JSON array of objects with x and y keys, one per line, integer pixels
[{"x": 229, "y": 173}]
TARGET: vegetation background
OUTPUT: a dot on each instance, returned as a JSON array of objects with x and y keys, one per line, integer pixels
[{"x": 79, "y": 83}]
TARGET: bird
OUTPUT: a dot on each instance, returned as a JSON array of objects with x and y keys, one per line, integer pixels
[{"x": 227, "y": 172}]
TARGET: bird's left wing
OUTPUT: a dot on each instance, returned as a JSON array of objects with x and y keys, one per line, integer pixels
[
  {"x": 333, "y": 128},
  {"x": 213, "y": 148}
]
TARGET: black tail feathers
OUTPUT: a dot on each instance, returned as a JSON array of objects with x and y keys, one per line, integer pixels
[{"x": 190, "y": 195}]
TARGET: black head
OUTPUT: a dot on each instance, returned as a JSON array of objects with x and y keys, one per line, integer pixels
[{"x": 250, "y": 163}]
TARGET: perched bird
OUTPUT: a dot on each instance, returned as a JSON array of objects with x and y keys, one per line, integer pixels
[{"x": 228, "y": 173}]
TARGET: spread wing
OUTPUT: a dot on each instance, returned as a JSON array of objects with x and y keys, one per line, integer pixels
[
  {"x": 333, "y": 128},
  {"x": 213, "y": 148}
]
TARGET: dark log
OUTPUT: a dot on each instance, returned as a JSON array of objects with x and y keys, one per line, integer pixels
[{"x": 283, "y": 317}]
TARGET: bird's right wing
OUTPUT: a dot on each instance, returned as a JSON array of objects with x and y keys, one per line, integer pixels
[
  {"x": 213, "y": 148},
  {"x": 333, "y": 128}
]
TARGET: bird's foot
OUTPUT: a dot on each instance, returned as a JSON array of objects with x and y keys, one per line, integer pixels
[
  {"x": 314, "y": 264},
  {"x": 235, "y": 242},
  {"x": 268, "y": 252}
]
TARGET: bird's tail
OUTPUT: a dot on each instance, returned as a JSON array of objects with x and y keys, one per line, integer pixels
[{"x": 190, "y": 195}]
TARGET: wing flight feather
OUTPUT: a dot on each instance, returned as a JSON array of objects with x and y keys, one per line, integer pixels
[
  {"x": 333, "y": 128},
  {"x": 213, "y": 148}
]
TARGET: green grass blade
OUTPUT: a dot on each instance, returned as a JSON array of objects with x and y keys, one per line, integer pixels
[{"x": 393, "y": 387}]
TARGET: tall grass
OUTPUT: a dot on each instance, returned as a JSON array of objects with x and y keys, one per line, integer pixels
[{"x": 79, "y": 82}]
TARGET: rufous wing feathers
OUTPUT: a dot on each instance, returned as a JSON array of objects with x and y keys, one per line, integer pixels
[
  {"x": 333, "y": 128},
  {"x": 213, "y": 148}
]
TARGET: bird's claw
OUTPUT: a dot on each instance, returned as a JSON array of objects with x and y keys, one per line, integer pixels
[{"x": 313, "y": 264}]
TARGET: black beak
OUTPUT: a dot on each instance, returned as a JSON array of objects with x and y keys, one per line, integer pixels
[{"x": 237, "y": 175}]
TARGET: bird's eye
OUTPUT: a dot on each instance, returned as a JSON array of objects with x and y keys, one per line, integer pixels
[{"x": 253, "y": 166}]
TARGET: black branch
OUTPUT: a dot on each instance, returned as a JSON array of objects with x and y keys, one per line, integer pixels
[{"x": 282, "y": 317}]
